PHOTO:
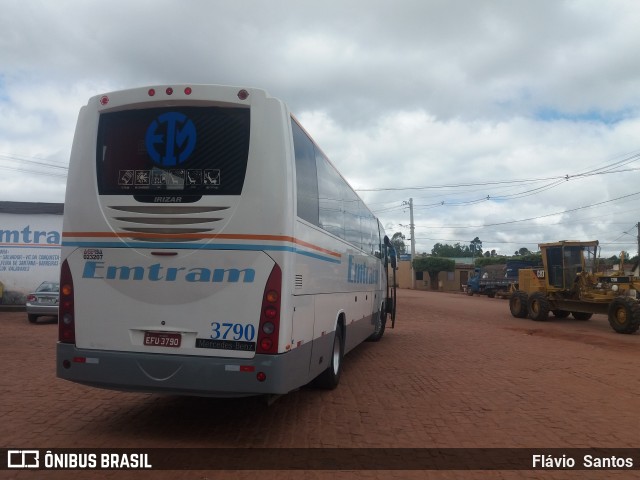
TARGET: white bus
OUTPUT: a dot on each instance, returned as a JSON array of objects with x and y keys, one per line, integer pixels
[{"x": 210, "y": 248}]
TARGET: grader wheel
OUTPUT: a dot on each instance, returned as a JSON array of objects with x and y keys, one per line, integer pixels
[
  {"x": 518, "y": 304},
  {"x": 624, "y": 315},
  {"x": 538, "y": 306}
]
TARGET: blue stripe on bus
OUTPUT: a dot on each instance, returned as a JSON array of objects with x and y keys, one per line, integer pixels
[{"x": 214, "y": 246}]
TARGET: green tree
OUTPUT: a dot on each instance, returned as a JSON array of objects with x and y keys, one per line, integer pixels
[
  {"x": 522, "y": 251},
  {"x": 433, "y": 265},
  {"x": 531, "y": 257},
  {"x": 398, "y": 242},
  {"x": 484, "y": 261},
  {"x": 475, "y": 247},
  {"x": 450, "y": 251}
]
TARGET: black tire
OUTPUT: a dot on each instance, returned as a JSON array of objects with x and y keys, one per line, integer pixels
[
  {"x": 32, "y": 318},
  {"x": 582, "y": 315},
  {"x": 491, "y": 295},
  {"x": 624, "y": 315},
  {"x": 330, "y": 378},
  {"x": 518, "y": 304},
  {"x": 381, "y": 323},
  {"x": 469, "y": 292},
  {"x": 560, "y": 313},
  {"x": 538, "y": 306}
]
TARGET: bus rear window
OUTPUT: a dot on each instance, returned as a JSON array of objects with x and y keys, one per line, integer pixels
[{"x": 179, "y": 150}]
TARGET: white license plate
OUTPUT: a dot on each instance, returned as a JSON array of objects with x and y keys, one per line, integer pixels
[{"x": 162, "y": 339}]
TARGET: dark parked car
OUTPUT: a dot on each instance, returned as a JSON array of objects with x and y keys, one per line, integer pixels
[{"x": 44, "y": 301}]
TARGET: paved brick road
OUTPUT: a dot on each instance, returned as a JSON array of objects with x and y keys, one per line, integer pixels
[{"x": 457, "y": 371}]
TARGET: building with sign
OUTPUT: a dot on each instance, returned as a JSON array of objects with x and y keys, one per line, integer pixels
[{"x": 30, "y": 236}]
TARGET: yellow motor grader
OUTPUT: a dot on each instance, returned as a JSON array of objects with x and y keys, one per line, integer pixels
[{"x": 568, "y": 284}]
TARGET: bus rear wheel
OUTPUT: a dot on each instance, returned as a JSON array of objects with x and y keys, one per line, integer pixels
[{"x": 330, "y": 378}]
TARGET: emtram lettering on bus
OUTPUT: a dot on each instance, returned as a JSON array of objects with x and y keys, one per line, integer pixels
[{"x": 157, "y": 272}]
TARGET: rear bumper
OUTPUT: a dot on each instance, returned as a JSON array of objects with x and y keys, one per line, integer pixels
[
  {"x": 42, "y": 309},
  {"x": 184, "y": 374}
]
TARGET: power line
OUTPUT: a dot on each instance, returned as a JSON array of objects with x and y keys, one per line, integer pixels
[
  {"x": 605, "y": 170},
  {"x": 539, "y": 216},
  {"x": 39, "y": 165}
]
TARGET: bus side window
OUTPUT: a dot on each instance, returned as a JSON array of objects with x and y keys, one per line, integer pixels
[{"x": 306, "y": 175}]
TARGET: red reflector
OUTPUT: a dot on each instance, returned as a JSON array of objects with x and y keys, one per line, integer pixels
[
  {"x": 243, "y": 94},
  {"x": 188, "y": 91},
  {"x": 247, "y": 368},
  {"x": 169, "y": 91},
  {"x": 271, "y": 296},
  {"x": 271, "y": 312},
  {"x": 152, "y": 92},
  {"x": 261, "y": 376},
  {"x": 66, "y": 328},
  {"x": 104, "y": 100},
  {"x": 79, "y": 360}
]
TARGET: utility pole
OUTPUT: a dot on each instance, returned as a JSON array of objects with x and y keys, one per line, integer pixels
[
  {"x": 413, "y": 242},
  {"x": 638, "y": 225}
]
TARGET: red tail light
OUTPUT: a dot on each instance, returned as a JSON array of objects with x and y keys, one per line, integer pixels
[
  {"x": 66, "y": 316},
  {"x": 270, "y": 314},
  {"x": 31, "y": 298}
]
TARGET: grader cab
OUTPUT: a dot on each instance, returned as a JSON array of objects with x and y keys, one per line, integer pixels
[{"x": 569, "y": 283}]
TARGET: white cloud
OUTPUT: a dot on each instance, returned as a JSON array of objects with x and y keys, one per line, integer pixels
[{"x": 408, "y": 93}]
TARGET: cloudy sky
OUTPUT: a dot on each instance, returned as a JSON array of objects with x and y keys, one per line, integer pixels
[{"x": 514, "y": 121}]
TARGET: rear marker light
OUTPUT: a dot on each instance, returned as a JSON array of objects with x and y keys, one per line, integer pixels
[
  {"x": 104, "y": 100},
  {"x": 187, "y": 91},
  {"x": 169, "y": 91},
  {"x": 66, "y": 325},
  {"x": 272, "y": 296},
  {"x": 261, "y": 376},
  {"x": 243, "y": 94},
  {"x": 152, "y": 92},
  {"x": 268, "y": 328}
]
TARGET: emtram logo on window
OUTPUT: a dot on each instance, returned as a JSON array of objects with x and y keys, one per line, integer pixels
[{"x": 170, "y": 139}]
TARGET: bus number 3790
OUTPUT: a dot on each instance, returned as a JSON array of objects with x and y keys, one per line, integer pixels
[{"x": 232, "y": 331}]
